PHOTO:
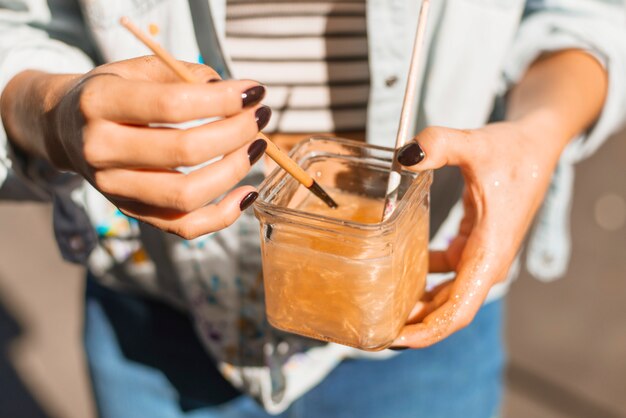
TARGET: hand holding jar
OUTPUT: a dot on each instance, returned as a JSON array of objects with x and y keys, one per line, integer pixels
[{"x": 507, "y": 168}]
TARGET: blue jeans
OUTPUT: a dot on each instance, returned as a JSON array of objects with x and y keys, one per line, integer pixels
[{"x": 145, "y": 361}]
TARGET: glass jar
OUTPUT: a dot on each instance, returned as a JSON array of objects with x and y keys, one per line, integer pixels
[{"x": 338, "y": 280}]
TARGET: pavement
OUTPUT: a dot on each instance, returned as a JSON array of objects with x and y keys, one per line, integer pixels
[{"x": 566, "y": 339}]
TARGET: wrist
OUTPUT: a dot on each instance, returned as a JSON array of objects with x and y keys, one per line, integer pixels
[
  {"x": 26, "y": 105},
  {"x": 545, "y": 130}
]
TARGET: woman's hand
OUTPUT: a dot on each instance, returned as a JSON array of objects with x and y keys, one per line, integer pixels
[
  {"x": 506, "y": 173},
  {"x": 507, "y": 168},
  {"x": 101, "y": 126}
]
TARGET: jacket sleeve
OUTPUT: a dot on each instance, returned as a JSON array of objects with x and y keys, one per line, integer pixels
[
  {"x": 597, "y": 26},
  {"x": 34, "y": 37}
]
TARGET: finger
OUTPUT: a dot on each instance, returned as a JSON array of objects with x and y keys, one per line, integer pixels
[
  {"x": 448, "y": 260},
  {"x": 436, "y": 147},
  {"x": 202, "y": 221},
  {"x": 438, "y": 262},
  {"x": 203, "y": 73},
  {"x": 111, "y": 145},
  {"x": 152, "y": 68},
  {"x": 175, "y": 190},
  {"x": 448, "y": 313},
  {"x": 141, "y": 102},
  {"x": 434, "y": 328},
  {"x": 430, "y": 295},
  {"x": 478, "y": 268},
  {"x": 430, "y": 301}
]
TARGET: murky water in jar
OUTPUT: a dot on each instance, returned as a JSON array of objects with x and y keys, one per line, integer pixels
[{"x": 344, "y": 290}]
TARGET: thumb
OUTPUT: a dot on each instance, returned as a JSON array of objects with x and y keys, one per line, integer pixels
[
  {"x": 436, "y": 147},
  {"x": 202, "y": 72}
]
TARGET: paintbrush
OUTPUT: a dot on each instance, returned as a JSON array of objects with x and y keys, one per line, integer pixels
[
  {"x": 410, "y": 108},
  {"x": 296, "y": 171}
]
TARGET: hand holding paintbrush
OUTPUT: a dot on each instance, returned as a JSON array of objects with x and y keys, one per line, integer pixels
[
  {"x": 100, "y": 125},
  {"x": 271, "y": 150}
]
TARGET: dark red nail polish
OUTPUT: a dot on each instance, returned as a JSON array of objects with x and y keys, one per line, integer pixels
[
  {"x": 214, "y": 80},
  {"x": 399, "y": 348},
  {"x": 252, "y": 96},
  {"x": 248, "y": 200},
  {"x": 262, "y": 115},
  {"x": 255, "y": 150},
  {"x": 410, "y": 154}
]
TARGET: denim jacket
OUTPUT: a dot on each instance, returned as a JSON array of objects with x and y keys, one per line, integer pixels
[{"x": 476, "y": 50}]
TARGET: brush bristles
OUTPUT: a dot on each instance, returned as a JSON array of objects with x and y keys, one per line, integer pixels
[{"x": 319, "y": 192}]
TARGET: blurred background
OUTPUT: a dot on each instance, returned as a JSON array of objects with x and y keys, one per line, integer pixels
[{"x": 567, "y": 339}]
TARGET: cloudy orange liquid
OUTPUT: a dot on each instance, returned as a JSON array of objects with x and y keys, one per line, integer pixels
[{"x": 354, "y": 291}]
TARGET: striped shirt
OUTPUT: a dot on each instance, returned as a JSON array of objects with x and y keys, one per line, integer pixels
[{"x": 311, "y": 55}]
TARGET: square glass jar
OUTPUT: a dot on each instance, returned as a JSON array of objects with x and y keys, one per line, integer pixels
[{"x": 337, "y": 280}]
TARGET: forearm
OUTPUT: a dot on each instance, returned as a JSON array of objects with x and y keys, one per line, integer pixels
[
  {"x": 25, "y": 107},
  {"x": 559, "y": 97}
]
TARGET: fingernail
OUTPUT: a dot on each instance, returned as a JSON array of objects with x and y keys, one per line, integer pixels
[
  {"x": 262, "y": 116},
  {"x": 255, "y": 150},
  {"x": 400, "y": 348},
  {"x": 410, "y": 154},
  {"x": 252, "y": 96},
  {"x": 248, "y": 200},
  {"x": 214, "y": 80}
]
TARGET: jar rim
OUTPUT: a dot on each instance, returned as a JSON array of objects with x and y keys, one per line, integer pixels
[{"x": 278, "y": 177}]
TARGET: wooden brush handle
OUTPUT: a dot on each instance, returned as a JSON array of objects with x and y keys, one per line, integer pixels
[
  {"x": 182, "y": 71},
  {"x": 287, "y": 163}
]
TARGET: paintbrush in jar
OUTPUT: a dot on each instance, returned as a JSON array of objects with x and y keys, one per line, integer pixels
[
  {"x": 282, "y": 159},
  {"x": 409, "y": 111},
  {"x": 296, "y": 171}
]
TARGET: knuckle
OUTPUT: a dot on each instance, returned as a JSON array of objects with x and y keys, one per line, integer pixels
[
  {"x": 149, "y": 60},
  {"x": 185, "y": 151},
  {"x": 227, "y": 220},
  {"x": 92, "y": 154},
  {"x": 238, "y": 171},
  {"x": 203, "y": 71},
  {"x": 103, "y": 182},
  {"x": 224, "y": 223},
  {"x": 169, "y": 104},
  {"x": 228, "y": 217},
  {"x": 243, "y": 169},
  {"x": 431, "y": 133},
  {"x": 184, "y": 199},
  {"x": 185, "y": 230},
  {"x": 223, "y": 106},
  {"x": 88, "y": 98},
  {"x": 94, "y": 144}
]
